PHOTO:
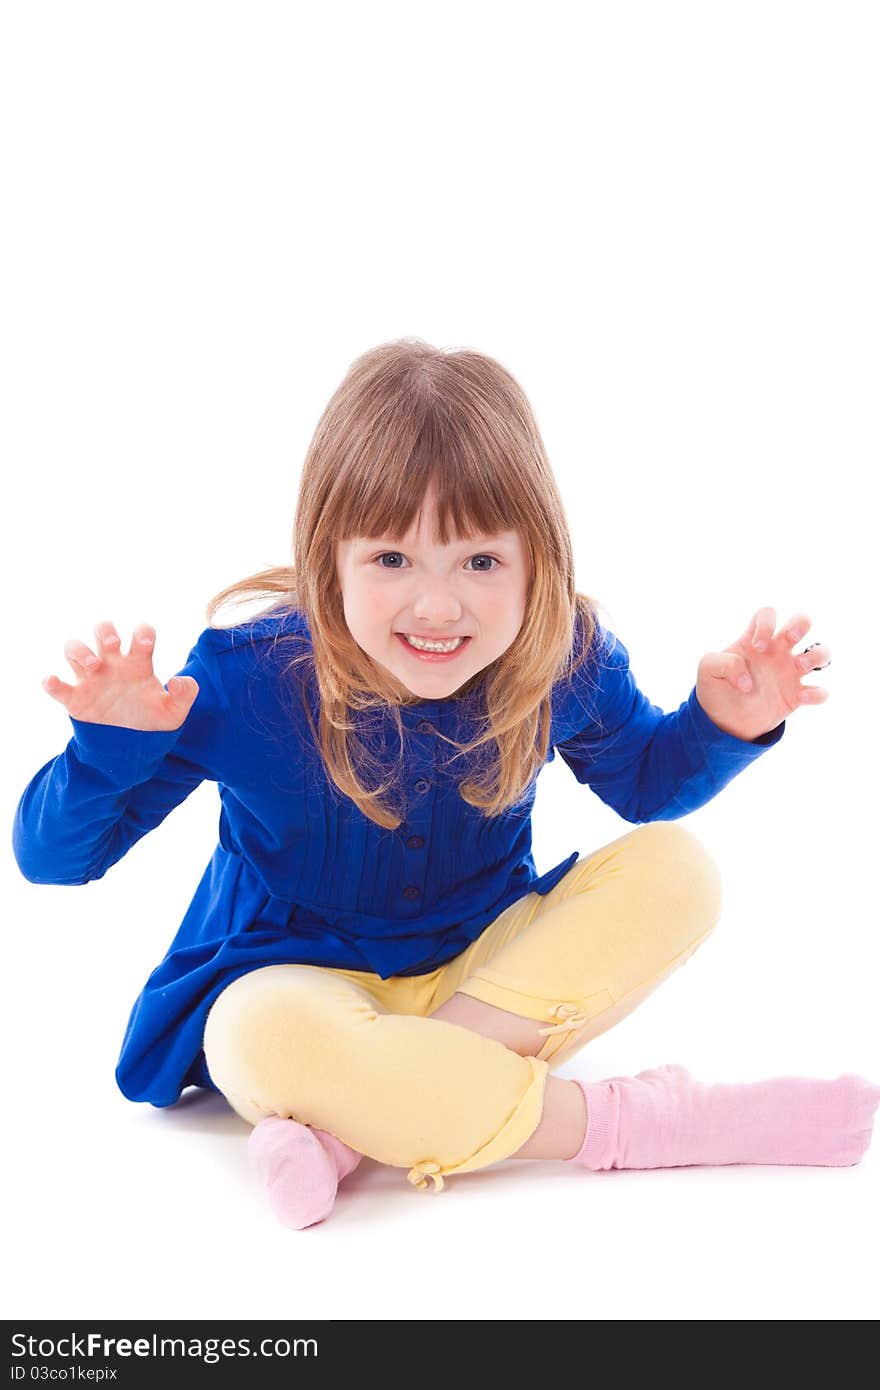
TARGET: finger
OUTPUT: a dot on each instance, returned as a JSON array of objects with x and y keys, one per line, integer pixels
[
  {"x": 812, "y": 695},
  {"x": 183, "y": 688},
  {"x": 81, "y": 657},
  {"x": 107, "y": 639},
  {"x": 143, "y": 641},
  {"x": 728, "y": 666},
  {"x": 796, "y": 628},
  {"x": 762, "y": 628},
  {"x": 738, "y": 674},
  {"x": 814, "y": 659},
  {"x": 58, "y": 689}
]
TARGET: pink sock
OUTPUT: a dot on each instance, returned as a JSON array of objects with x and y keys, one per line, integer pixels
[
  {"x": 346, "y": 1159},
  {"x": 301, "y": 1168},
  {"x": 662, "y": 1118}
]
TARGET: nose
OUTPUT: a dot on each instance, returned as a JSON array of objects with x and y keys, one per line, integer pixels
[{"x": 437, "y": 604}]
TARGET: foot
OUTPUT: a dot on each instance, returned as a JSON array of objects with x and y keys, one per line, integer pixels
[
  {"x": 663, "y": 1118},
  {"x": 300, "y": 1168}
]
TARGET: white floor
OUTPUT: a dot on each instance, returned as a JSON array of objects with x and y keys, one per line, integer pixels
[
  {"x": 120, "y": 1210},
  {"x": 162, "y": 1220}
]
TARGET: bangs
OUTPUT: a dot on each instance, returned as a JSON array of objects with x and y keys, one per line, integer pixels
[{"x": 388, "y": 481}]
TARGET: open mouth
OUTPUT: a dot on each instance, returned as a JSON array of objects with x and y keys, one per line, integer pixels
[{"x": 432, "y": 651}]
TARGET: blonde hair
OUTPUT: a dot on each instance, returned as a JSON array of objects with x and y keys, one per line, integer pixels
[{"x": 407, "y": 416}]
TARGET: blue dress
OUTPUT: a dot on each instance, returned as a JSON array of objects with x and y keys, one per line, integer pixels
[{"x": 299, "y": 873}]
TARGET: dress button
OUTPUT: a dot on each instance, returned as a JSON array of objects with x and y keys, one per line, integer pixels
[
  {"x": 415, "y": 842},
  {"x": 410, "y": 891},
  {"x": 422, "y": 785},
  {"x": 425, "y": 726}
]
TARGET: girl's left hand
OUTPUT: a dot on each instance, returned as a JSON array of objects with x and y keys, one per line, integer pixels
[{"x": 773, "y": 673}]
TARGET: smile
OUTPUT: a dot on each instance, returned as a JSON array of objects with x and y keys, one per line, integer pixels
[{"x": 432, "y": 651}]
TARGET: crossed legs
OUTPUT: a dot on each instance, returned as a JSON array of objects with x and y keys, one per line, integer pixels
[
  {"x": 458, "y": 1085},
  {"x": 563, "y": 1122}
]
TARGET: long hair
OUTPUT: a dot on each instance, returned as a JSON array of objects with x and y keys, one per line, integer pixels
[{"x": 405, "y": 417}]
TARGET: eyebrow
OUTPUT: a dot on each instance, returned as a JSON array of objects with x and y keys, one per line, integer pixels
[{"x": 499, "y": 539}]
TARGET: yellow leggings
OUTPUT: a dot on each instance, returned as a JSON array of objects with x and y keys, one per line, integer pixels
[{"x": 346, "y": 1051}]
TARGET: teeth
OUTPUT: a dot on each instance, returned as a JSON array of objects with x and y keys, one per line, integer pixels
[{"x": 433, "y": 646}]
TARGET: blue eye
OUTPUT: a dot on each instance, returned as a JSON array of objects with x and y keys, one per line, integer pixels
[{"x": 386, "y": 553}]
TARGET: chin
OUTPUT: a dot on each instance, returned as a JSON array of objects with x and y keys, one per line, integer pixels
[
  {"x": 432, "y": 687},
  {"x": 429, "y": 686}
]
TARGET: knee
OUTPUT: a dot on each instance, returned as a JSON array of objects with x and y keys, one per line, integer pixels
[
  {"x": 275, "y": 1012},
  {"x": 241, "y": 1016},
  {"x": 683, "y": 861}
]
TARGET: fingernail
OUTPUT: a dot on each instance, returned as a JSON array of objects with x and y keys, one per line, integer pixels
[
  {"x": 745, "y": 682},
  {"x": 759, "y": 644}
]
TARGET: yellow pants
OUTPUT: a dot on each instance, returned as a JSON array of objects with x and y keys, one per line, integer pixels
[{"x": 346, "y": 1051}]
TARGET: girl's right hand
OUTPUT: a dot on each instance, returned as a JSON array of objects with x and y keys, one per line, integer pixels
[{"x": 120, "y": 688}]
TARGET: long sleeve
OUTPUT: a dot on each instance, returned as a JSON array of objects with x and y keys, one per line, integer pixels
[
  {"x": 86, "y": 807},
  {"x": 646, "y": 764}
]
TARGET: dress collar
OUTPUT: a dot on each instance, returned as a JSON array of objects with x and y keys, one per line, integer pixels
[
  {"x": 418, "y": 709},
  {"x": 442, "y": 711}
]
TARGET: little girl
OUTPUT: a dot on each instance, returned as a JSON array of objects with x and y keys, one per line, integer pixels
[{"x": 371, "y": 963}]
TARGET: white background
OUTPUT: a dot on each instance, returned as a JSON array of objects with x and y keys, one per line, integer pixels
[{"x": 663, "y": 219}]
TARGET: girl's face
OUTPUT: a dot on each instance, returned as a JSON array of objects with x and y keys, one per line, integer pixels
[{"x": 473, "y": 589}]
